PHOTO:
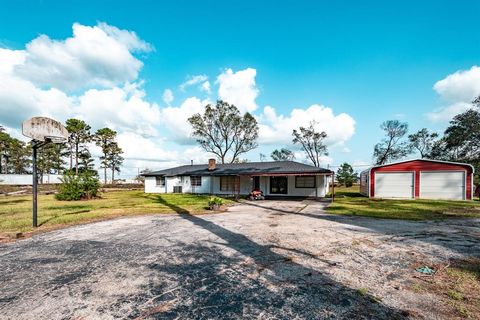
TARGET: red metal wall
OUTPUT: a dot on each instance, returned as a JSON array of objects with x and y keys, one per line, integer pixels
[{"x": 422, "y": 165}]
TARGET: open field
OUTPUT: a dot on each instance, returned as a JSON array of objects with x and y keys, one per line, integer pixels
[
  {"x": 16, "y": 211},
  {"x": 349, "y": 201}
]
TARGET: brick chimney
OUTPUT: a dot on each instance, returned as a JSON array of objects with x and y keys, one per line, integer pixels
[{"x": 211, "y": 164}]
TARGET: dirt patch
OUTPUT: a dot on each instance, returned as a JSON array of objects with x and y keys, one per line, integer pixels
[
  {"x": 457, "y": 286},
  {"x": 265, "y": 259}
]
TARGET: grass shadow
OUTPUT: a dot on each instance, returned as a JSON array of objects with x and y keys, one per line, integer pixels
[{"x": 16, "y": 201}]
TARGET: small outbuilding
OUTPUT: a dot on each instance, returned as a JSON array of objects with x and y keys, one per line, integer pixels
[{"x": 420, "y": 178}]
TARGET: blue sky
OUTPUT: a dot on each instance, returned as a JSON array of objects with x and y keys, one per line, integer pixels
[{"x": 372, "y": 60}]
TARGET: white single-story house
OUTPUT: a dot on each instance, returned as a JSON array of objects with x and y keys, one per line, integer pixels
[{"x": 275, "y": 178}]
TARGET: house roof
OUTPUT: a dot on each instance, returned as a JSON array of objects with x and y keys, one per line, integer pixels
[{"x": 248, "y": 168}]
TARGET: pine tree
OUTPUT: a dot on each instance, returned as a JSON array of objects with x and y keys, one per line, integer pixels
[
  {"x": 114, "y": 159},
  {"x": 79, "y": 135},
  {"x": 346, "y": 175},
  {"x": 104, "y": 138}
]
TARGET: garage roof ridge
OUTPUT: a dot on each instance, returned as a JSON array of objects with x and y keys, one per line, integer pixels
[{"x": 419, "y": 159}]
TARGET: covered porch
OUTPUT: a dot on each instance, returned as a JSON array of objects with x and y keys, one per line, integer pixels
[{"x": 285, "y": 185}]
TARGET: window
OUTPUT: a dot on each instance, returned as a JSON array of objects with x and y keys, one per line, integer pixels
[
  {"x": 278, "y": 185},
  {"x": 227, "y": 183},
  {"x": 305, "y": 182},
  {"x": 160, "y": 181},
  {"x": 196, "y": 181}
]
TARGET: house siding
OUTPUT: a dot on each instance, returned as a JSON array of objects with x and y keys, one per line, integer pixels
[{"x": 211, "y": 185}]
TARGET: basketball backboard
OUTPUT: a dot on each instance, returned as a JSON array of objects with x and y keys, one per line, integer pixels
[{"x": 44, "y": 129}]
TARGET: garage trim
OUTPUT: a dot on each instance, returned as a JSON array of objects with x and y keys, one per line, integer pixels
[
  {"x": 465, "y": 173},
  {"x": 387, "y": 172}
]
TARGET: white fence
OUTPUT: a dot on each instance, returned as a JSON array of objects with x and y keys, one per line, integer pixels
[{"x": 26, "y": 179}]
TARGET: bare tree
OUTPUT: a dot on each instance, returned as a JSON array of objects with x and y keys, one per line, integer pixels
[
  {"x": 221, "y": 130},
  {"x": 282, "y": 155},
  {"x": 311, "y": 142},
  {"x": 423, "y": 141},
  {"x": 392, "y": 147}
]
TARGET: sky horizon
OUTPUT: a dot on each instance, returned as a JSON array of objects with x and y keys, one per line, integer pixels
[{"x": 143, "y": 68}]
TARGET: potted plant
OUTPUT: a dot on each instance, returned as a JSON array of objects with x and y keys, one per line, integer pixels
[{"x": 215, "y": 203}]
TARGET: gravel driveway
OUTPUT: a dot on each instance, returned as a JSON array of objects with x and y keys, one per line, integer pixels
[{"x": 265, "y": 259}]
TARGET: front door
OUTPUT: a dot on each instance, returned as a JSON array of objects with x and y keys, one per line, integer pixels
[
  {"x": 278, "y": 185},
  {"x": 256, "y": 183}
]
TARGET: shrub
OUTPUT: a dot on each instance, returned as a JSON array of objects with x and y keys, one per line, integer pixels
[
  {"x": 77, "y": 187},
  {"x": 215, "y": 201}
]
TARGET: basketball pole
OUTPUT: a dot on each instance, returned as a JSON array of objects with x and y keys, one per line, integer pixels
[
  {"x": 35, "y": 146},
  {"x": 41, "y": 131},
  {"x": 34, "y": 182}
]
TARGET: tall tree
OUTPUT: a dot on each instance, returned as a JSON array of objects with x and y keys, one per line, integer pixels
[
  {"x": 282, "y": 155},
  {"x": 223, "y": 131},
  {"x": 115, "y": 159},
  {"x": 423, "y": 141},
  {"x": 50, "y": 159},
  {"x": 4, "y": 140},
  {"x": 14, "y": 154},
  {"x": 79, "y": 134},
  {"x": 476, "y": 102},
  {"x": 392, "y": 147},
  {"x": 462, "y": 137},
  {"x": 312, "y": 142},
  {"x": 346, "y": 175},
  {"x": 18, "y": 157},
  {"x": 86, "y": 162},
  {"x": 104, "y": 138}
]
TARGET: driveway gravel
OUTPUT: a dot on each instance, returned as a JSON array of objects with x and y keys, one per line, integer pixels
[{"x": 264, "y": 260}]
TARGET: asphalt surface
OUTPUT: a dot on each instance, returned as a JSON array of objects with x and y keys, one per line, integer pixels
[{"x": 263, "y": 260}]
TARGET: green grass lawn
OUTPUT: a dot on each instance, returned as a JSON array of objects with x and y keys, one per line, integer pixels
[
  {"x": 348, "y": 201},
  {"x": 16, "y": 211}
]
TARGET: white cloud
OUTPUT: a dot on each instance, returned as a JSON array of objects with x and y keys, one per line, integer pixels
[
  {"x": 463, "y": 85},
  {"x": 176, "y": 118},
  {"x": 457, "y": 90},
  {"x": 447, "y": 113},
  {"x": 206, "y": 87},
  {"x": 193, "y": 80},
  {"x": 238, "y": 88},
  {"x": 9, "y": 59},
  {"x": 119, "y": 108},
  {"x": 140, "y": 148},
  {"x": 101, "y": 55},
  {"x": 277, "y": 129},
  {"x": 20, "y": 99},
  {"x": 167, "y": 96}
]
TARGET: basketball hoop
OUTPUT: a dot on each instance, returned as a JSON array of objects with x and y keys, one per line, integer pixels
[
  {"x": 45, "y": 130},
  {"x": 42, "y": 131}
]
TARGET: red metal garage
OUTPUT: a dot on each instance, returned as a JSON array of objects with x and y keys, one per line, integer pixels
[{"x": 420, "y": 178}]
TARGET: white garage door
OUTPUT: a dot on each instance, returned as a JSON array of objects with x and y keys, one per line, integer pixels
[
  {"x": 394, "y": 185},
  {"x": 442, "y": 185}
]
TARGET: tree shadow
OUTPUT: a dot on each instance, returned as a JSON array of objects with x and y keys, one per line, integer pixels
[
  {"x": 15, "y": 201},
  {"x": 287, "y": 290},
  {"x": 467, "y": 243},
  {"x": 65, "y": 214},
  {"x": 172, "y": 206}
]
